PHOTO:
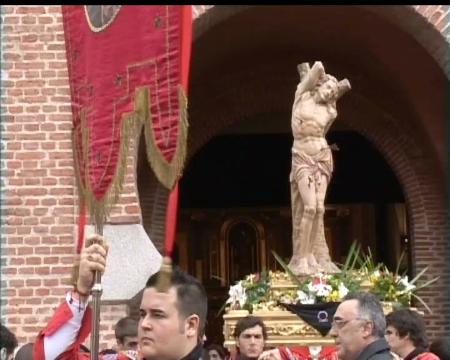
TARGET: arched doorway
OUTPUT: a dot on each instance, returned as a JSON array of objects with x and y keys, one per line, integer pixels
[
  {"x": 242, "y": 249},
  {"x": 244, "y": 67}
]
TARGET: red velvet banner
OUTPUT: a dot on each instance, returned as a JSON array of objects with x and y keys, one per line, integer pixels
[{"x": 128, "y": 68}]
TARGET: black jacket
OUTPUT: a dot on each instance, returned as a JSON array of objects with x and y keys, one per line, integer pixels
[
  {"x": 195, "y": 354},
  {"x": 378, "y": 350}
]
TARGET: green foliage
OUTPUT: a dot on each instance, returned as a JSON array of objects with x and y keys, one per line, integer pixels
[{"x": 256, "y": 288}]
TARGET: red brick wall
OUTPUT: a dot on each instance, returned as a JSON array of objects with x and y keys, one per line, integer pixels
[
  {"x": 40, "y": 194},
  {"x": 426, "y": 208},
  {"x": 39, "y": 187},
  {"x": 438, "y": 15}
]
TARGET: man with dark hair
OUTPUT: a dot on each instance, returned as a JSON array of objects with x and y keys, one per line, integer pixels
[
  {"x": 171, "y": 322},
  {"x": 126, "y": 332},
  {"x": 250, "y": 334},
  {"x": 214, "y": 352},
  {"x": 8, "y": 343},
  {"x": 405, "y": 333},
  {"x": 358, "y": 329}
]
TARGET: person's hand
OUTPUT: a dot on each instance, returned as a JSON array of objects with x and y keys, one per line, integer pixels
[
  {"x": 343, "y": 87},
  {"x": 92, "y": 258},
  {"x": 345, "y": 84},
  {"x": 303, "y": 69},
  {"x": 273, "y": 354}
]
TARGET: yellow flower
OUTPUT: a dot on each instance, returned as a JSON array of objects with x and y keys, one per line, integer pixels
[{"x": 334, "y": 296}]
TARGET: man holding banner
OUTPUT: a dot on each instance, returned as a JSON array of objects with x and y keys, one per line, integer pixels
[{"x": 171, "y": 324}]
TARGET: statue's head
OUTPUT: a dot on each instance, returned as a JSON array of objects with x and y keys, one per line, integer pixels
[{"x": 327, "y": 89}]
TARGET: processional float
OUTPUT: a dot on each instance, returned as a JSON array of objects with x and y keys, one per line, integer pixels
[
  {"x": 128, "y": 70},
  {"x": 298, "y": 304}
]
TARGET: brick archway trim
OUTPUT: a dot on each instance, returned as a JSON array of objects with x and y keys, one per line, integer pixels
[{"x": 429, "y": 25}]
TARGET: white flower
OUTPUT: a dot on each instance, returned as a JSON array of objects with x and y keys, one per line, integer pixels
[
  {"x": 237, "y": 294},
  {"x": 376, "y": 274},
  {"x": 342, "y": 290},
  {"x": 320, "y": 289},
  {"x": 408, "y": 286},
  {"x": 305, "y": 298},
  {"x": 323, "y": 290}
]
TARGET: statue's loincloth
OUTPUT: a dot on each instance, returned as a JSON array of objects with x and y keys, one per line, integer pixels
[{"x": 312, "y": 167}]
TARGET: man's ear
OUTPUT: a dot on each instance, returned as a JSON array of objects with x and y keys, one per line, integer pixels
[
  {"x": 368, "y": 329},
  {"x": 192, "y": 324}
]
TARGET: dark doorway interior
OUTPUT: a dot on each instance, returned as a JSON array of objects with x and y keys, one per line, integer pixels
[
  {"x": 238, "y": 171},
  {"x": 253, "y": 170}
]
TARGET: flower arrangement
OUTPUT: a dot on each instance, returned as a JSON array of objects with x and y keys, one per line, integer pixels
[
  {"x": 249, "y": 292},
  {"x": 257, "y": 291},
  {"x": 322, "y": 288},
  {"x": 263, "y": 291},
  {"x": 391, "y": 286}
]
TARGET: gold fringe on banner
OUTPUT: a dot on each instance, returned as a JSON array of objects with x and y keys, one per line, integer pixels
[
  {"x": 167, "y": 173},
  {"x": 131, "y": 126},
  {"x": 99, "y": 210}
]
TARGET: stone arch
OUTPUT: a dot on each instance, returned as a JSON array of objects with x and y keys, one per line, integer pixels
[
  {"x": 428, "y": 24},
  {"x": 386, "y": 104},
  {"x": 425, "y": 202}
]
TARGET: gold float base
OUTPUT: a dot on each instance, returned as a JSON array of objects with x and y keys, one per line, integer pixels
[{"x": 283, "y": 328}]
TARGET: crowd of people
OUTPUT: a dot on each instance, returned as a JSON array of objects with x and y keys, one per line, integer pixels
[{"x": 172, "y": 327}]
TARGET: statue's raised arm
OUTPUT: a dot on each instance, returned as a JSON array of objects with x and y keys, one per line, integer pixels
[
  {"x": 308, "y": 78},
  {"x": 343, "y": 87}
]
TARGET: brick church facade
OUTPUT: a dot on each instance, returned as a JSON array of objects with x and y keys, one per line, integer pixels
[{"x": 397, "y": 58}]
